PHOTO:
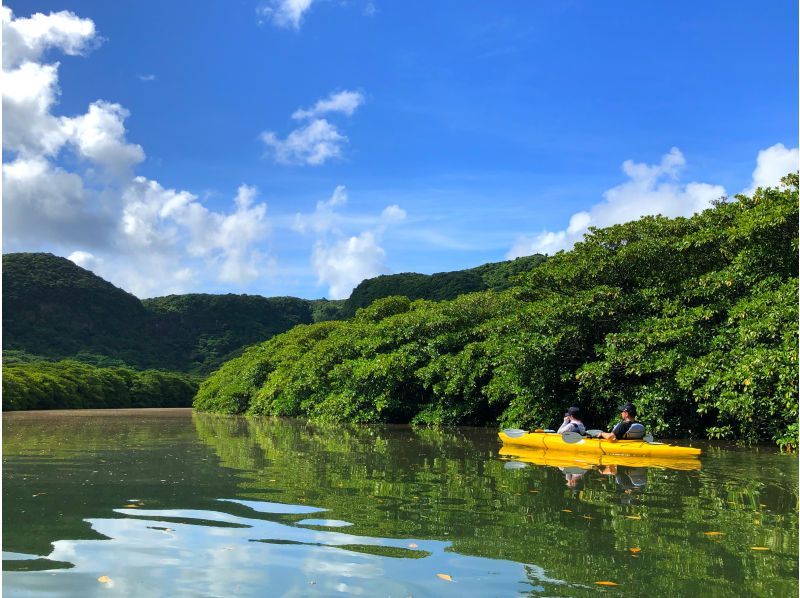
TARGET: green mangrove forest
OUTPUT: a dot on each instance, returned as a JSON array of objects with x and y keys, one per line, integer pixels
[{"x": 692, "y": 319}]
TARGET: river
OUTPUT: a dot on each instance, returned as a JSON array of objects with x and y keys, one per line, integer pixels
[{"x": 172, "y": 503}]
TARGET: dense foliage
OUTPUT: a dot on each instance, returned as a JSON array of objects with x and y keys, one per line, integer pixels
[
  {"x": 694, "y": 320},
  {"x": 55, "y": 309},
  {"x": 441, "y": 286},
  {"x": 75, "y": 385}
]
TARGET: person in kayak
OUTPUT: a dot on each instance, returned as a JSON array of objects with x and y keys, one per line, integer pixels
[
  {"x": 572, "y": 422},
  {"x": 628, "y": 428}
]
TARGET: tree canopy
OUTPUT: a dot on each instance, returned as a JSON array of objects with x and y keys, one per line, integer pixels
[{"x": 692, "y": 319}]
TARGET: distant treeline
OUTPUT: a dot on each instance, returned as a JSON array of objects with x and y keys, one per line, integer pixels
[
  {"x": 692, "y": 319},
  {"x": 75, "y": 385},
  {"x": 54, "y": 309},
  {"x": 59, "y": 319}
]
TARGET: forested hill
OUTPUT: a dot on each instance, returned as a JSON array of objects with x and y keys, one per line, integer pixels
[
  {"x": 692, "y": 319},
  {"x": 54, "y": 309},
  {"x": 496, "y": 276}
]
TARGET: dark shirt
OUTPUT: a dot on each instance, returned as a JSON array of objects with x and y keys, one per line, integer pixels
[{"x": 621, "y": 429}]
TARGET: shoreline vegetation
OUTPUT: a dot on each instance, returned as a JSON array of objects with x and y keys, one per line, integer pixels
[{"x": 692, "y": 319}]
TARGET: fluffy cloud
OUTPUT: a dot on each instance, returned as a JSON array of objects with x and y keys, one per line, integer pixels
[
  {"x": 43, "y": 202},
  {"x": 340, "y": 259},
  {"x": 26, "y": 39},
  {"x": 345, "y": 102},
  {"x": 285, "y": 13},
  {"x": 162, "y": 221},
  {"x": 772, "y": 164},
  {"x": 130, "y": 230},
  {"x": 318, "y": 140},
  {"x": 345, "y": 263},
  {"x": 650, "y": 189},
  {"x": 312, "y": 144},
  {"x": 99, "y": 136},
  {"x": 29, "y": 93}
]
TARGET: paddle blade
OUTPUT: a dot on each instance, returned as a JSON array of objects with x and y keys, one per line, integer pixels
[
  {"x": 571, "y": 437},
  {"x": 593, "y": 433},
  {"x": 514, "y": 465},
  {"x": 648, "y": 438},
  {"x": 514, "y": 433}
]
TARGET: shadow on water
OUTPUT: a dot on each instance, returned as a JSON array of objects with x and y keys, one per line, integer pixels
[{"x": 380, "y": 510}]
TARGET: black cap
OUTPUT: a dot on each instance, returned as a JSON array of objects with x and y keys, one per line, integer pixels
[
  {"x": 629, "y": 408},
  {"x": 574, "y": 411}
]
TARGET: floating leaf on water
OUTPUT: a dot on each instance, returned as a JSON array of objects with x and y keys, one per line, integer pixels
[
  {"x": 714, "y": 533},
  {"x": 634, "y": 550},
  {"x": 588, "y": 517},
  {"x": 637, "y": 517},
  {"x": 566, "y": 511},
  {"x": 444, "y": 576},
  {"x": 759, "y": 548},
  {"x": 412, "y": 545},
  {"x": 104, "y": 579},
  {"x": 605, "y": 583}
]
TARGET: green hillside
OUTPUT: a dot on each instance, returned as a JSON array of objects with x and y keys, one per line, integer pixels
[
  {"x": 693, "y": 319},
  {"x": 71, "y": 338},
  {"x": 496, "y": 276}
]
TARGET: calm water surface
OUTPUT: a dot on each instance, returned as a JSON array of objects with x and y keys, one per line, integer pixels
[{"x": 167, "y": 503}]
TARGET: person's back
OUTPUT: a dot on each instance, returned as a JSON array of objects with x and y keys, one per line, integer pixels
[
  {"x": 572, "y": 422},
  {"x": 628, "y": 428}
]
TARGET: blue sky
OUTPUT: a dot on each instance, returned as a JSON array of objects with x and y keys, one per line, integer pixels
[{"x": 295, "y": 147}]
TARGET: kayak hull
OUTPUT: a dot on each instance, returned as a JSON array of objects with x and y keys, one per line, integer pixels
[
  {"x": 540, "y": 456},
  {"x": 598, "y": 446}
]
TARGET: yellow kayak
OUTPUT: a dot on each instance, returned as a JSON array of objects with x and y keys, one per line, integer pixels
[
  {"x": 554, "y": 442},
  {"x": 540, "y": 456}
]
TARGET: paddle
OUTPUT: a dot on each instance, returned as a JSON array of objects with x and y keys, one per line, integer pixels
[
  {"x": 517, "y": 433},
  {"x": 571, "y": 437}
]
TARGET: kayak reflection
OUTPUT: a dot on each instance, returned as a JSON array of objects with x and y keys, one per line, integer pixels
[
  {"x": 629, "y": 479},
  {"x": 585, "y": 461}
]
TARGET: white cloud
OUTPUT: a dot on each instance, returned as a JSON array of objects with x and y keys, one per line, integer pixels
[
  {"x": 345, "y": 102},
  {"x": 318, "y": 140},
  {"x": 772, "y": 164},
  {"x": 29, "y": 93},
  {"x": 312, "y": 144},
  {"x": 99, "y": 136},
  {"x": 340, "y": 259},
  {"x": 85, "y": 260},
  {"x": 324, "y": 218},
  {"x": 131, "y": 231},
  {"x": 392, "y": 214},
  {"x": 285, "y": 13},
  {"x": 345, "y": 263},
  {"x": 147, "y": 78},
  {"x": 651, "y": 189},
  {"x": 43, "y": 202},
  {"x": 26, "y": 39},
  {"x": 162, "y": 221}
]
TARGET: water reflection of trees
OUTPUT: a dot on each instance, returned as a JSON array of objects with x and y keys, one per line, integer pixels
[{"x": 449, "y": 485}]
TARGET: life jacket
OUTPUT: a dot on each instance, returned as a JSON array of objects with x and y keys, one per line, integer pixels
[{"x": 635, "y": 432}]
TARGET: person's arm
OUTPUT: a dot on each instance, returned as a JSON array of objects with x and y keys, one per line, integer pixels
[
  {"x": 565, "y": 427},
  {"x": 612, "y": 435}
]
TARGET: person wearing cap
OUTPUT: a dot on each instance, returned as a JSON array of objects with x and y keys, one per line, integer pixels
[
  {"x": 623, "y": 428},
  {"x": 572, "y": 422}
]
